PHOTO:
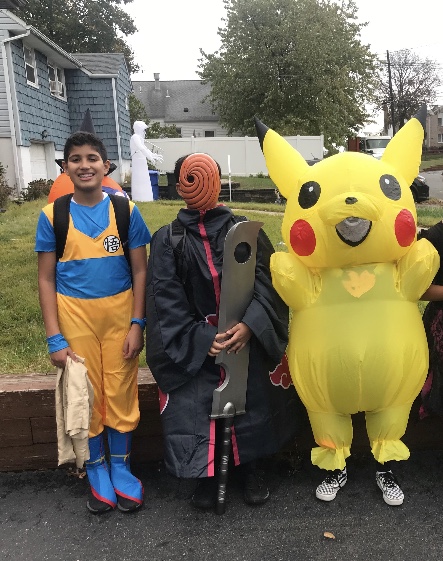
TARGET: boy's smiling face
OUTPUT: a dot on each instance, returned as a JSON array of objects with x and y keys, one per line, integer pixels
[{"x": 86, "y": 168}]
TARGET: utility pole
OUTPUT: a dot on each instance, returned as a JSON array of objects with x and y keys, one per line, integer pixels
[{"x": 391, "y": 95}]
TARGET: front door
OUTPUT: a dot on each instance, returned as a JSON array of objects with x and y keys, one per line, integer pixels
[{"x": 39, "y": 169}]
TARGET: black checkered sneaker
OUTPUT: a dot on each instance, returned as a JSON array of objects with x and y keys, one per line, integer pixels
[
  {"x": 328, "y": 489},
  {"x": 392, "y": 494}
]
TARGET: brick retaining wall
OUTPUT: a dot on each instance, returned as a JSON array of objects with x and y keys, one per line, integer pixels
[
  {"x": 28, "y": 438},
  {"x": 28, "y": 431}
]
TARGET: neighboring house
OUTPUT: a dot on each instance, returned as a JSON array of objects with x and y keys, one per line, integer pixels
[
  {"x": 11, "y": 4},
  {"x": 434, "y": 127},
  {"x": 181, "y": 103},
  {"x": 44, "y": 94}
]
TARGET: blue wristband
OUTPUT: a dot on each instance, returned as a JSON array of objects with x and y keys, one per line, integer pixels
[
  {"x": 140, "y": 322},
  {"x": 56, "y": 343}
]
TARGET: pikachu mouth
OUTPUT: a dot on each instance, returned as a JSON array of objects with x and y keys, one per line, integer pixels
[{"x": 353, "y": 231}]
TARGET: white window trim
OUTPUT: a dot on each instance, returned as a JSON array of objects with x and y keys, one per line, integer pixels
[
  {"x": 34, "y": 66},
  {"x": 57, "y": 71},
  {"x": 440, "y": 138}
]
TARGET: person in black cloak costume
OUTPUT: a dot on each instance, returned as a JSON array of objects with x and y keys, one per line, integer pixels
[
  {"x": 432, "y": 392},
  {"x": 183, "y": 290}
]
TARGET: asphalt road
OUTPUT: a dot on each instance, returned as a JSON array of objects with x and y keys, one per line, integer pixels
[
  {"x": 43, "y": 517},
  {"x": 435, "y": 181}
]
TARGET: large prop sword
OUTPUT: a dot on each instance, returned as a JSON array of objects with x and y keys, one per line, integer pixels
[{"x": 238, "y": 277}]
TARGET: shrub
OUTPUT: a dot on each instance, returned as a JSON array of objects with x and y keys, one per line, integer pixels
[
  {"x": 5, "y": 190},
  {"x": 126, "y": 183},
  {"x": 37, "y": 189}
]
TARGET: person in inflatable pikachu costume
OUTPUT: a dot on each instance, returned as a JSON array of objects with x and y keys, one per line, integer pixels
[{"x": 353, "y": 275}]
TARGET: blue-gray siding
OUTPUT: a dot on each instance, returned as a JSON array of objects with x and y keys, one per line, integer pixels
[
  {"x": 96, "y": 94},
  {"x": 124, "y": 88},
  {"x": 5, "y": 130},
  {"x": 38, "y": 109},
  {"x": 6, "y": 24}
]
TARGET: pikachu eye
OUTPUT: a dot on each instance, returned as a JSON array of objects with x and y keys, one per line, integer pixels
[
  {"x": 390, "y": 187},
  {"x": 309, "y": 194}
]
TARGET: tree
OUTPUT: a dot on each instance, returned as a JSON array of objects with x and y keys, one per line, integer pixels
[
  {"x": 414, "y": 81},
  {"x": 137, "y": 111},
  {"x": 298, "y": 64},
  {"x": 83, "y": 26},
  {"x": 156, "y": 130}
]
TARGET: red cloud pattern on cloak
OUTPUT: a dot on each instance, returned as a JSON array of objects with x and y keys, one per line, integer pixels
[{"x": 281, "y": 375}]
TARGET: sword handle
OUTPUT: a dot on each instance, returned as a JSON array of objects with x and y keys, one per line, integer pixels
[{"x": 225, "y": 453}]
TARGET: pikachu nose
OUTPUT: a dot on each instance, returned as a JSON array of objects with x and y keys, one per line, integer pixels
[{"x": 351, "y": 200}]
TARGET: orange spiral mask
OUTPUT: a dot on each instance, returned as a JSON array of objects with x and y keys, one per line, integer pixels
[{"x": 199, "y": 182}]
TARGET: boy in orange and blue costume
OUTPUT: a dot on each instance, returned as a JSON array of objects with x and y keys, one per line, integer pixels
[{"x": 93, "y": 305}]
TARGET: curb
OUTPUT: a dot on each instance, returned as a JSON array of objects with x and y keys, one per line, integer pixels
[{"x": 28, "y": 438}]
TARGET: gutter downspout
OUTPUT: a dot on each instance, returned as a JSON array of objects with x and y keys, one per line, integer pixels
[
  {"x": 117, "y": 129},
  {"x": 11, "y": 107}
]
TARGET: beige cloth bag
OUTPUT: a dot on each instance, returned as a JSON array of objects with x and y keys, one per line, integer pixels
[{"x": 74, "y": 398}]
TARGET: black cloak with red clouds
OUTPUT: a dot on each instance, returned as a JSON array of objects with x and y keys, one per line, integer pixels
[{"x": 181, "y": 326}]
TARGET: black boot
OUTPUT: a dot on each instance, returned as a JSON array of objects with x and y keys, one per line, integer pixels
[
  {"x": 255, "y": 490},
  {"x": 205, "y": 494}
]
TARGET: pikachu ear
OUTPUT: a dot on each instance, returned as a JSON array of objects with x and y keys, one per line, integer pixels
[
  {"x": 404, "y": 150},
  {"x": 284, "y": 163}
]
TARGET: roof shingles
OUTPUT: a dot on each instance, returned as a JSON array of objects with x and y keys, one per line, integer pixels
[
  {"x": 101, "y": 63},
  {"x": 169, "y": 99}
]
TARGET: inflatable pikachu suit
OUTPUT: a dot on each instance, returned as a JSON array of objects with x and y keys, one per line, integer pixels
[{"x": 352, "y": 277}]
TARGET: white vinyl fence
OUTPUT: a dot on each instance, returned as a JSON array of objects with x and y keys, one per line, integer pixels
[{"x": 244, "y": 153}]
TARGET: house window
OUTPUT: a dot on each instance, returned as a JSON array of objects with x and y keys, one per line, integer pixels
[
  {"x": 440, "y": 121},
  {"x": 440, "y": 138},
  {"x": 209, "y": 134},
  {"x": 57, "y": 84},
  {"x": 30, "y": 66}
]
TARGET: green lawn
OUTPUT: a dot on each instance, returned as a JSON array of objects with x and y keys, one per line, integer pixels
[
  {"x": 431, "y": 163},
  {"x": 22, "y": 338},
  {"x": 430, "y": 160}
]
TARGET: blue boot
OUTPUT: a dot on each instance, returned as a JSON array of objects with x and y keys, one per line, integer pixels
[
  {"x": 128, "y": 488},
  {"x": 103, "y": 495}
]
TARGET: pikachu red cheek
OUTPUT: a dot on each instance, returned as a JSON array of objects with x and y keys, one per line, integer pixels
[
  {"x": 302, "y": 238},
  {"x": 405, "y": 228}
]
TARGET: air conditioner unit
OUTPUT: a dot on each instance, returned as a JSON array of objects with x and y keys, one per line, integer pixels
[
  {"x": 56, "y": 87},
  {"x": 53, "y": 86}
]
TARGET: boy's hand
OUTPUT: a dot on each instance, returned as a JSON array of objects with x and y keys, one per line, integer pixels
[
  {"x": 134, "y": 342},
  {"x": 238, "y": 336},
  {"x": 217, "y": 344},
  {"x": 233, "y": 340},
  {"x": 58, "y": 358}
]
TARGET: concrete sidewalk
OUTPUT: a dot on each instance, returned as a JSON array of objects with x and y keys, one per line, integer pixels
[{"x": 43, "y": 518}]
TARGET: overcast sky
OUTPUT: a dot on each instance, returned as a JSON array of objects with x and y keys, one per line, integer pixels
[{"x": 171, "y": 32}]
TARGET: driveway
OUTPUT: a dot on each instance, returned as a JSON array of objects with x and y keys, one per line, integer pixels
[
  {"x": 435, "y": 181},
  {"x": 43, "y": 518}
]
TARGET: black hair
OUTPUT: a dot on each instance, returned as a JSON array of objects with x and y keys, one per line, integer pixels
[
  {"x": 82, "y": 138},
  {"x": 179, "y": 163}
]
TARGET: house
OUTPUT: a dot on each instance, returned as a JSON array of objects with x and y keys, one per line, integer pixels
[
  {"x": 11, "y": 4},
  {"x": 181, "y": 103},
  {"x": 434, "y": 127},
  {"x": 44, "y": 94}
]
